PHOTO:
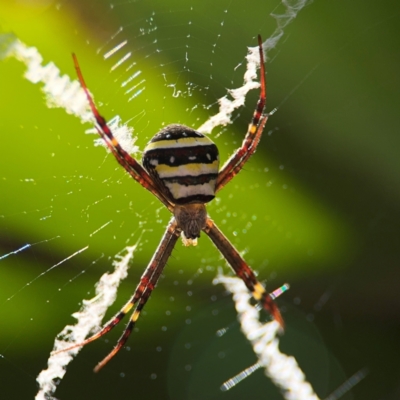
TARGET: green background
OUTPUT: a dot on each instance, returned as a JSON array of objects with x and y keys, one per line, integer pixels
[{"x": 317, "y": 206}]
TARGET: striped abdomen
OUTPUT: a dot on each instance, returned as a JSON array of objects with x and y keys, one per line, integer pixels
[{"x": 184, "y": 163}]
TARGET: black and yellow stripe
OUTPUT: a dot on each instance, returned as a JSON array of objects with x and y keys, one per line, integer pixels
[{"x": 184, "y": 163}]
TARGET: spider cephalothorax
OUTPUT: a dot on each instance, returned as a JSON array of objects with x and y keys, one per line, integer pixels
[
  {"x": 192, "y": 219},
  {"x": 180, "y": 168}
]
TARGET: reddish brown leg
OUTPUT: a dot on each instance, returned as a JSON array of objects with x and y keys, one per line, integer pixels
[
  {"x": 242, "y": 270},
  {"x": 252, "y": 138},
  {"x": 129, "y": 163},
  {"x": 140, "y": 296}
]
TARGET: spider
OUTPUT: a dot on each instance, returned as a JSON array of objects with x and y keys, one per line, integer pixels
[{"x": 180, "y": 167}]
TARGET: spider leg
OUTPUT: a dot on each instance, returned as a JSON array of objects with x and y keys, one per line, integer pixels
[
  {"x": 239, "y": 158},
  {"x": 250, "y": 149},
  {"x": 146, "y": 285},
  {"x": 242, "y": 270},
  {"x": 142, "y": 293},
  {"x": 134, "y": 168}
]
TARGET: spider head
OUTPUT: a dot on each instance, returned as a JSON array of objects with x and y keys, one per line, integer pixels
[{"x": 191, "y": 218}]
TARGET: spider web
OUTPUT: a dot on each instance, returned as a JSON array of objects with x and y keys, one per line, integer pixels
[{"x": 147, "y": 66}]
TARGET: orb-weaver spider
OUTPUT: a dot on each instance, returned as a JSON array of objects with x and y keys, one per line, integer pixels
[{"x": 180, "y": 167}]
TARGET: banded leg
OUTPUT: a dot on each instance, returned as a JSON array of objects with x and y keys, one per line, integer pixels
[
  {"x": 142, "y": 293},
  {"x": 242, "y": 270},
  {"x": 134, "y": 168},
  {"x": 252, "y": 138}
]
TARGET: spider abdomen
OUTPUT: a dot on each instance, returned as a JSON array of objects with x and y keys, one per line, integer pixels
[{"x": 184, "y": 163}]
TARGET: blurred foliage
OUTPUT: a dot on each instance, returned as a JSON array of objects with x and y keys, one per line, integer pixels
[{"x": 317, "y": 206}]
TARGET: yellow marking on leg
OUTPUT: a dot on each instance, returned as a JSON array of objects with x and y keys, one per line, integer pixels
[
  {"x": 258, "y": 291},
  {"x": 252, "y": 129},
  {"x": 135, "y": 316},
  {"x": 114, "y": 142},
  {"x": 127, "y": 308}
]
